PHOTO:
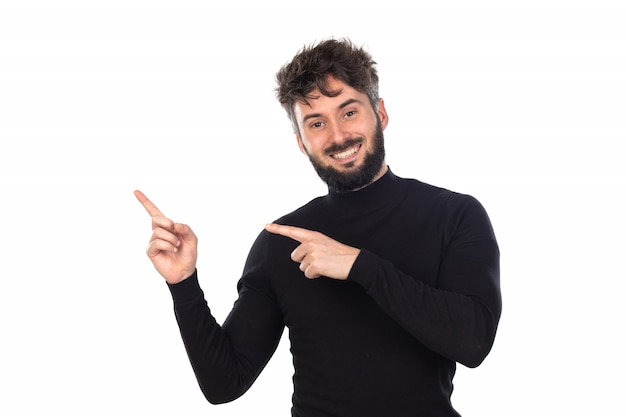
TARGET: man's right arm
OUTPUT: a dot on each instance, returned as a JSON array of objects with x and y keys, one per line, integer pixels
[{"x": 227, "y": 359}]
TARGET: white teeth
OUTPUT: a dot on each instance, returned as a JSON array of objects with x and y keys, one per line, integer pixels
[{"x": 345, "y": 154}]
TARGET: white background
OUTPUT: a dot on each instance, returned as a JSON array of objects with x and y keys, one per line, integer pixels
[{"x": 519, "y": 103}]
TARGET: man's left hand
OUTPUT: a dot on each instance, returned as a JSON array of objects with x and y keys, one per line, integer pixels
[{"x": 317, "y": 254}]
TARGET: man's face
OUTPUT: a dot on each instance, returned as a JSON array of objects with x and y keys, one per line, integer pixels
[{"x": 343, "y": 137}]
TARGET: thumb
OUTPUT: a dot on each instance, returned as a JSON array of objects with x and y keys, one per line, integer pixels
[{"x": 185, "y": 232}]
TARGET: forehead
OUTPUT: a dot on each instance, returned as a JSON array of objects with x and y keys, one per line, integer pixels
[{"x": 319, "y": 103}]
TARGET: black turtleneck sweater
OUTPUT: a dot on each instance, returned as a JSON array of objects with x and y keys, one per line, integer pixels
[{"x": 422, "y": 295}]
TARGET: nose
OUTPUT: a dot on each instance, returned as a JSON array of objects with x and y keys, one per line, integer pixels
[{"x": 339, "y": 133}]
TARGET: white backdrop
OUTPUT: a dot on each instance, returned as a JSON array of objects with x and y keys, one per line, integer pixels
[{"x": 519, "y": 103}]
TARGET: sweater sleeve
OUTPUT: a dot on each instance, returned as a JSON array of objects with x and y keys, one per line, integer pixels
[
  {"x": 458, "y": 317},
  {"x": 227, "y": 359}
]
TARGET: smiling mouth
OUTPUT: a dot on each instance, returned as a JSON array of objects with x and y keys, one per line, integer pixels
[{"x": 348, "y": 152}]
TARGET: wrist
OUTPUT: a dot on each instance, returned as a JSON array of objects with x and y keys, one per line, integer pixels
[{"x": 181, "y": 277}]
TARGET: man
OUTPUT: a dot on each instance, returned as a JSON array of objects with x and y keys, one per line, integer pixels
[{"x": 384, "y": 283}]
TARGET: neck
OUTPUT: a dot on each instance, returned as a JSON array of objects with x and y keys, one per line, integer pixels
[{"x": 383, "y": 171}]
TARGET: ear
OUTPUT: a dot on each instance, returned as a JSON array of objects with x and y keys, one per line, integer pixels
[
  {"x": 382, "y": 114},
  {"x": 300, "y": 144}
]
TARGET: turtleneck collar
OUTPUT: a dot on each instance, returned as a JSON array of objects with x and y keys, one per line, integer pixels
[{"x": 384, "y": 191}]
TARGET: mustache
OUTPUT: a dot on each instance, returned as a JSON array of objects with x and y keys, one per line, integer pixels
[{"x": 340, "y": 147}]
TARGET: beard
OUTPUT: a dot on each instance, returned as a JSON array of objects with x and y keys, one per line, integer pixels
[{"x": 344, "y": 182}]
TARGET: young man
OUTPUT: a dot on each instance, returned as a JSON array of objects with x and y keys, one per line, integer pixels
[{"x": 384, "y": 283}]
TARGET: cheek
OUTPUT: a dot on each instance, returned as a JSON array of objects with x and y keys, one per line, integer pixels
[{"x": 310, "y": 144}]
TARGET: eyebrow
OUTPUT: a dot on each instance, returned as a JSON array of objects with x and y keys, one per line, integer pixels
[{"x": 341, "y": 106}]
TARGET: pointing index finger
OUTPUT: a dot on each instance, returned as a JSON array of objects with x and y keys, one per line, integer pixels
[
  {"x": 295, "y": 233},
  {"x": 147, "y": 204}
]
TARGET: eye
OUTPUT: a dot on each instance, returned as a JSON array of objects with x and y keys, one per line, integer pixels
[
  {"x": 316, "y": 125},
  {"x": 350, "y": 114}
]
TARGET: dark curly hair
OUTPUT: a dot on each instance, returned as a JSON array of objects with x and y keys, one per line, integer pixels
[{"x": 310, "y": 68}]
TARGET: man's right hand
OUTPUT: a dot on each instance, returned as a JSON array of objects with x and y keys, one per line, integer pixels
[{"x": 173, "y": 247}]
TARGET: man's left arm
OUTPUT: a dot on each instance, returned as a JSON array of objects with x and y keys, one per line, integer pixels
[{"x": 457, "y": 319}]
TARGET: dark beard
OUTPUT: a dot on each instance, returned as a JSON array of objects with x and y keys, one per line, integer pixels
[{"x": 344, "y": 182}]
